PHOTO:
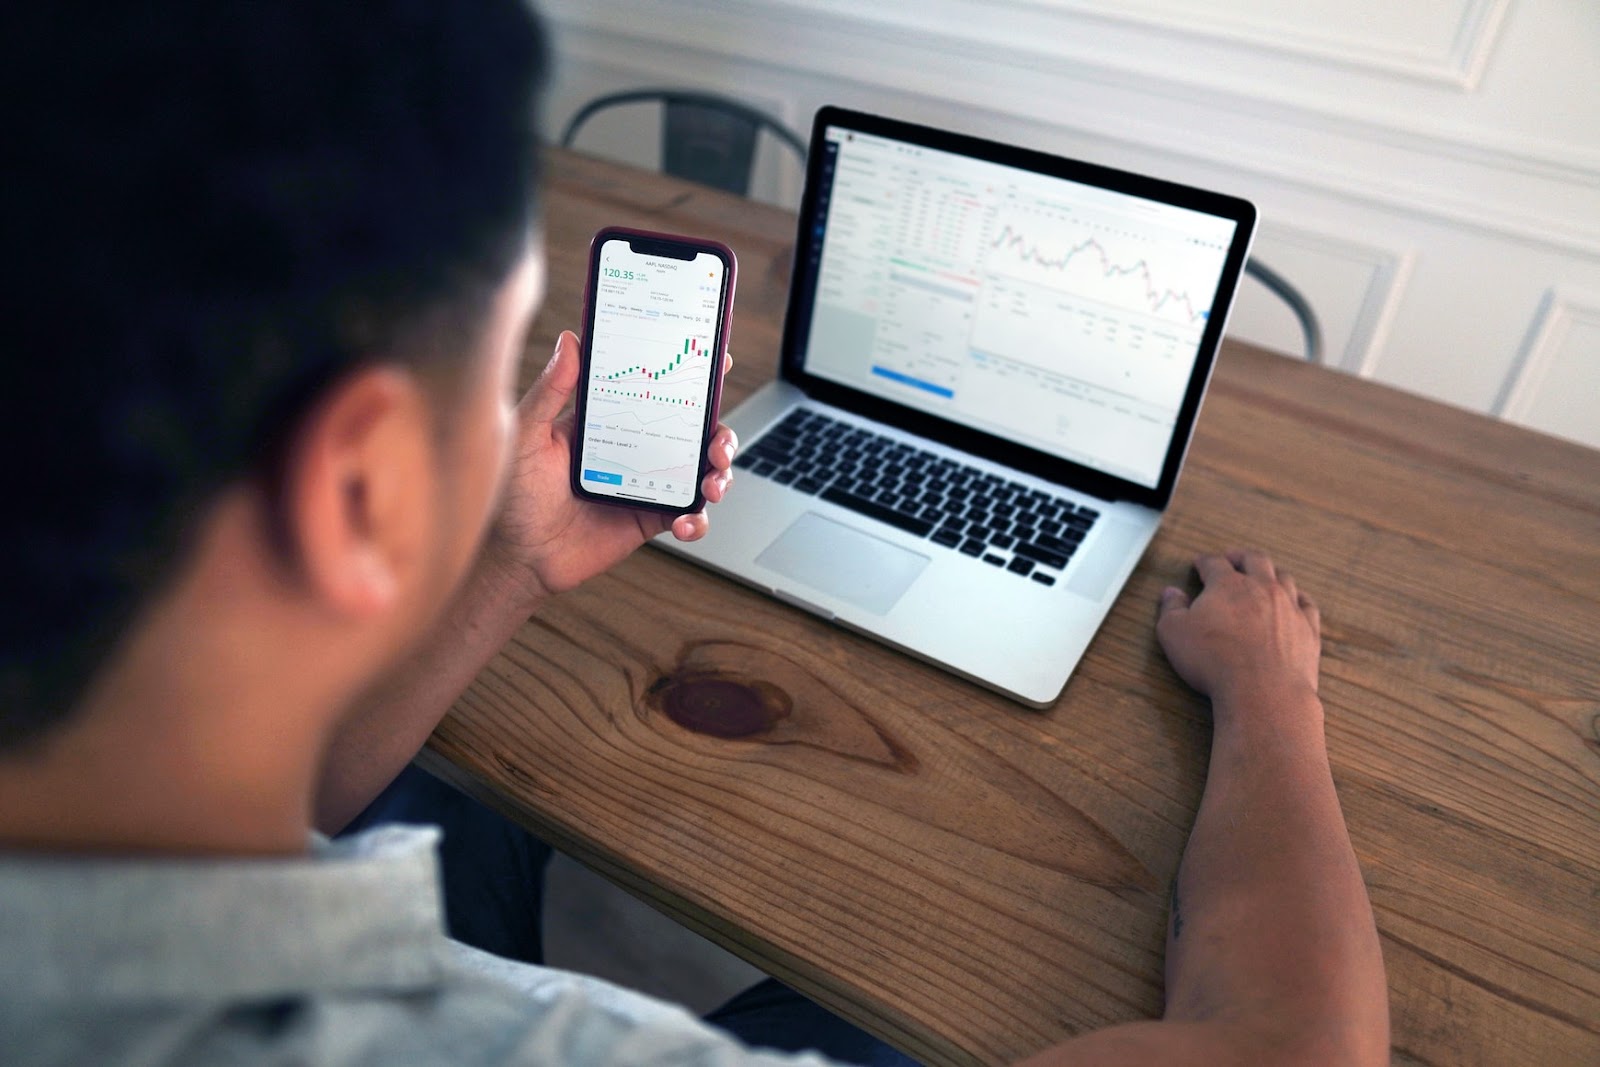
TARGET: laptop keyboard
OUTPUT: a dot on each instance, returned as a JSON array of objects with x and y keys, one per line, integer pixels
[{"x": 1025, "y": 531}]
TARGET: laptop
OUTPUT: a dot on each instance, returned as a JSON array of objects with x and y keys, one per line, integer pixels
[{"x": 992, "y": 363}]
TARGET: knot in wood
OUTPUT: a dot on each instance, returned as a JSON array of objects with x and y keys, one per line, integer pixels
[{"x": 719, "y": 704}]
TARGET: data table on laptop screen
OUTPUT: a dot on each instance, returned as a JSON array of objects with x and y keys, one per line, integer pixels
[{"x": 1063, "y": 316}]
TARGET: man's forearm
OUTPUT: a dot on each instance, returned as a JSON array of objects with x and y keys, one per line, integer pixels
[
  {"x": 391, "y": 723},
  {"x": 1270, "y": 924}
]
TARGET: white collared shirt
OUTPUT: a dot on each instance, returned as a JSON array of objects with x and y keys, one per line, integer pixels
[{"x": 336, "y": 957}]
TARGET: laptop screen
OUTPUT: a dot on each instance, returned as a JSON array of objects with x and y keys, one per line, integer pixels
[{"x": 1065, "y": 316}]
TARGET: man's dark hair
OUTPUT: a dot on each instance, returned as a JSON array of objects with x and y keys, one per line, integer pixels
[{"x": 212, "y": 210}]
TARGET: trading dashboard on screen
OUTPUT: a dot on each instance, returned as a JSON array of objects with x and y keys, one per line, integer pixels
[
  {"x": 652, "y": 347},
  {"x": 1063, "y": 316}
]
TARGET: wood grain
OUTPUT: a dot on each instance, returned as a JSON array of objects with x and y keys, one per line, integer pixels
[{"x": 974, "y": 880}]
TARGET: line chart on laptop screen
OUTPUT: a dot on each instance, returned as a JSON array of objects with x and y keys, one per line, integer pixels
[
  {"x": 1066, "y": 254},
  {"x": 1063, "y": 315}
]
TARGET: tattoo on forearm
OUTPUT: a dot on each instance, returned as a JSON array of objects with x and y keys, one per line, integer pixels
[{"x": 1177, "y": 911}]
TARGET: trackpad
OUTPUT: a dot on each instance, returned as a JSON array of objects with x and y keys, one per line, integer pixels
[{"x": 843, "y": 562}]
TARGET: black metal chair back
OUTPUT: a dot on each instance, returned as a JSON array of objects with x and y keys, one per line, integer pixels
[
  {"x": 1281, "y": 287},
  {"x": 705, "y": 138}
]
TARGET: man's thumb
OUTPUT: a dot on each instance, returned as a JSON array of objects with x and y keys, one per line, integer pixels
[{"x": 550, "y": 392}]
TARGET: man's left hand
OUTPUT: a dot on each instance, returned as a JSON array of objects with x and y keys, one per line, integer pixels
[{"x": 548, "y": 539}]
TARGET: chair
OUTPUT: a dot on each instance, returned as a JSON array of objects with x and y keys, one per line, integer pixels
[
  {"x": 1280, "y": 286},
  {"x": 705, "y": 138}
]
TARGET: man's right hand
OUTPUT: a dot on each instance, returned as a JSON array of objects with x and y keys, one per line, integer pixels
[
  {"x": 1249, "y": 632},
  {"x": 1272, "y": 953}
]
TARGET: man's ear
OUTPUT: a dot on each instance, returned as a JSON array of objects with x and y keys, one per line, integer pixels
[{"x": 360, "y": 492}]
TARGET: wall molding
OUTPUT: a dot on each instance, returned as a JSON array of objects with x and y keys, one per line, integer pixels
[
  {"x": 1426, "y": 226},
  {"x": 1354, "y": 351},
  {"x": 1354, "y": 336},
  {"x": 866, "y": 60},
  {"x": 1458, "y": 65},
  {"x": 992, "y": 39},
  {"x": 1390, "y": 271},
  {"x": 1559, "y": 311},
  {"x": 1378, "y": 312}
]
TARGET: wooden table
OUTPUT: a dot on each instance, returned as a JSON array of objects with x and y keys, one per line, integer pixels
[{"x": 974, "y": 880}]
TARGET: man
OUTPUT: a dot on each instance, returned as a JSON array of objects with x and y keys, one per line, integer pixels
[{"x": 270, "y": 508}]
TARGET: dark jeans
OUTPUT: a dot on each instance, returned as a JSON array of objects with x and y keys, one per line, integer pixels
[{"x": 493, "y": 874}]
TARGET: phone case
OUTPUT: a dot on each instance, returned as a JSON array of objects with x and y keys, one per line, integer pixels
[{"x": 714, "y": 403}]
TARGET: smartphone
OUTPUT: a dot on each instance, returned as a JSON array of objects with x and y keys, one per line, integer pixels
[{"x": 656, "y": 319}]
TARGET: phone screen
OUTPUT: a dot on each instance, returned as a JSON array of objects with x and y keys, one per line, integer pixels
[{"x": 653, "y": 346}]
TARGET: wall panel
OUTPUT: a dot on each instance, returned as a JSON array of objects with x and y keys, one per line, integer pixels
[{"x": 1426, "y": 172}]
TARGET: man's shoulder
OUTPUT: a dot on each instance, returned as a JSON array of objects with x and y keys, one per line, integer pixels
[
  {"x": 335, "y": 957},
  {"x": 471, "y": 1016}
]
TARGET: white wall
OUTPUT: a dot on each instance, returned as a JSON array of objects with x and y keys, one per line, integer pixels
[{"x": 1428, "y": 171}]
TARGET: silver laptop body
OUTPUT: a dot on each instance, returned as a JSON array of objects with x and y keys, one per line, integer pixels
[{"x": 993, "y": 361}]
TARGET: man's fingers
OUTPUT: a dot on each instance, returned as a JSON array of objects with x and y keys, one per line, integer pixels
[
  {"x": 549, "y": 394},
  {"x": 1286, "y": 580},
  {"x": 1173, "y": 599},
  {"x": 723, "y": 445},
  {"x": 690, "y": 527},
  {"x": 715, "y": 485},
  {"x": 1313, "y": 614},
  {"x": 653, "y": 524},
  {"x": 1211, "y": 568},
  {"x": 1258, "y": 564},
  {"x": 727, "y": 362}
]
